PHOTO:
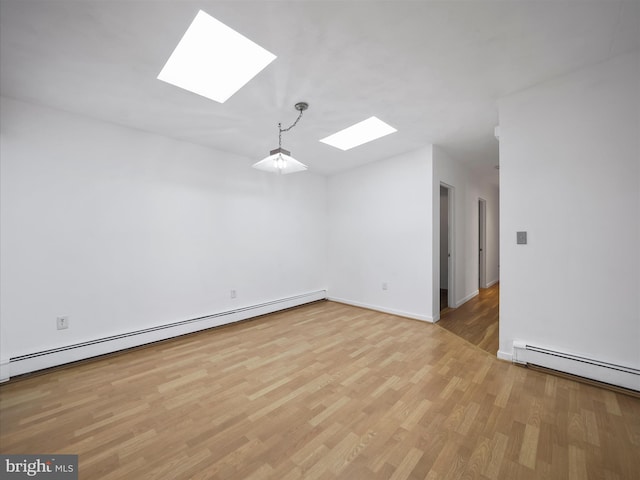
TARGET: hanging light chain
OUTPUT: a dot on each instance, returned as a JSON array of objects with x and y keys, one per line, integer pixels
[{"x": 280, "y": 129}]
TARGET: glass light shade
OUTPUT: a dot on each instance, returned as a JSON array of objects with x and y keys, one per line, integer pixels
[{"x": 280, "y": 161}]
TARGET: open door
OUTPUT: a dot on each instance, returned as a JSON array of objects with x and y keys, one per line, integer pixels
[
  {"x": 447, "y": 297},
  {"x": 482, "y": 243}
]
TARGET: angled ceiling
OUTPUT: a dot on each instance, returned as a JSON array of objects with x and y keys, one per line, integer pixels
[{"x": 433, "y": 70}]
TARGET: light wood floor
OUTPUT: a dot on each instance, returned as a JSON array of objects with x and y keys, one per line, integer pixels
[
  {"x": 476, "y": 320},
  {"x": 320, "y": 392}
]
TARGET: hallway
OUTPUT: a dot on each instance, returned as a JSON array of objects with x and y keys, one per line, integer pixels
[{"x": 477, "y": 320}]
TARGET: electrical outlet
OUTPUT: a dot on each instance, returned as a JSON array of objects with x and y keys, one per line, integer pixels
[
  {"x": 385, "y": 286},
  {"x": 233, "y": 294},
  {"x": 62, "y": 323}
]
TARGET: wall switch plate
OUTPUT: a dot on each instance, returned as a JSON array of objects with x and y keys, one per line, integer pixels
[
  {"x": 385, "y": 286},
  {"x": 62, "y": 323},
  {"x": 233, "y": 294},
  {"x": 521, "y": 238}
]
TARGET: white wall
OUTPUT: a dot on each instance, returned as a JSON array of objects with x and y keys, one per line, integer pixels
[
  {"x": 570, "y": 176},
  {"x": 380, "y": 230},
  {"x": 384, "y": 227},
  {"x": 124, "y": 230},
  {"x": 492, "y": 248},
  {"x": 467, "y": 190}
]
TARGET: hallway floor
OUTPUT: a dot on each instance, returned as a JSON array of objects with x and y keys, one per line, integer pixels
[{"x": 477, "y": 320}]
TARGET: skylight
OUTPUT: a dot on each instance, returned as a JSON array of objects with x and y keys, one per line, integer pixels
[
  {"x": 214, "y": 60},
  {"x": 370, "y": 129}
]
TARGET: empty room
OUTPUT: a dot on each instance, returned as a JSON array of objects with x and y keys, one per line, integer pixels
[{"x": 320, "y": 239}]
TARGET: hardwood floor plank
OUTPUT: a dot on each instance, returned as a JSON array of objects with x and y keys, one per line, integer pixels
[
  {"x": 406, "y": 466},
  {"x": 577, "y": 463},
  {"x": 529, "y": 448},
  {"x": 498, "y": 448}
]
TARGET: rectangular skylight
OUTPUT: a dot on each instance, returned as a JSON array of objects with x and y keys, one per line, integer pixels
[
  {"x": 362, "y": 132},
  {"x": 214, "y": 60}
]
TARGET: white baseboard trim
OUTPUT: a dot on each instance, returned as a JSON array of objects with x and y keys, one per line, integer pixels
[
  {"x": 4, "y": 370},
  {"x": 81, "y": 351},
  {"x": 502, "y": 355},
  {"x": 467, "y": 298},
  {"x": 492, "y": 282},
  {"x": 400, "y": 313}
]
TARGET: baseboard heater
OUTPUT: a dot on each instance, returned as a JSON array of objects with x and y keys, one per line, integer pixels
[
  {"x": 597, "y": 370},
  {"x": 80, "y": 351}
]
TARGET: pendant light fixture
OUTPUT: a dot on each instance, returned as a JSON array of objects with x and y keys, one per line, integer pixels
[{"x": 280, "y": 160}]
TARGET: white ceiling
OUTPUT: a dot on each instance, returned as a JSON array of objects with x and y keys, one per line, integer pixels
[{"x": 433, "y": 70}]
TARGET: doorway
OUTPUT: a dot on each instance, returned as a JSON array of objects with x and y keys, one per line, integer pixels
[
  {"x": 482, "y": 243},
  {"x": 447, "y": 297}
]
